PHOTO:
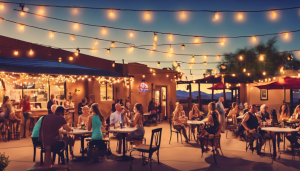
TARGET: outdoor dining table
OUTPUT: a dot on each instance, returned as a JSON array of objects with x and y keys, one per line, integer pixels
[
  {"x": 194, "y": 122},
  {"x": 277, "y": 130},
  {"x": 123, "y": 132},
  {"x": 82, "y": 133}
]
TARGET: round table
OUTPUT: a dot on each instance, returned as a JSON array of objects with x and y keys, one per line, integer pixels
[
  {"x": 82, "y": 132},
  {"x": 194, "y": 122},
  {"x": 123, "y": 132},
  {"x": 277, "y": 130}
]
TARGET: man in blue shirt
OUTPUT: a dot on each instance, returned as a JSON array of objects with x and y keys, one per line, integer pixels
[{"x": 221, "y": 110}]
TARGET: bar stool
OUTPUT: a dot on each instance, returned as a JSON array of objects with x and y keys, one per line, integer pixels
[
  {"x": 13, "y": 132},
  {"x": 3, "y": 130}
]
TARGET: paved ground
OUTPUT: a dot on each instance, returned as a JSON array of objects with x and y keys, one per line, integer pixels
[{"x": 174, "y": 156}]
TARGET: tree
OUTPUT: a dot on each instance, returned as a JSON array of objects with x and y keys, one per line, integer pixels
[{"x": 248, "y": 60}]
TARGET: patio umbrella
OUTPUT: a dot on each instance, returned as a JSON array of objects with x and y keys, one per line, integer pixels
[
  {"x": 285, "y": 83},
  {"x": 218, "y": 86}
]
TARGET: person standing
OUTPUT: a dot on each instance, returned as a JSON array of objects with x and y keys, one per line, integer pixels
[
  {"x": 26, "y": 111},
  {"x": 221, "y": 110},
  {"x": 50, "y": 103},
  {"x": 81, "y": 104}
]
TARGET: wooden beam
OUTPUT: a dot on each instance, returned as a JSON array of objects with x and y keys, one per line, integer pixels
[
  {"x": 199, "y": 97},
  {"x": 212, "y": 93},
  {"x": 224, "y": 93},
  {"x": 190, "y": 96}
]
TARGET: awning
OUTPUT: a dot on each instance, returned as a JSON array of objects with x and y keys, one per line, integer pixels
[
  {"x": 218, "y": 78},
  {"x": 37, "y": 66},
  {"x": 284, "y": 83}
]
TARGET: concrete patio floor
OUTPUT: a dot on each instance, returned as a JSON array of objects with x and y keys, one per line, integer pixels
[{"x": 174, "y": 156}]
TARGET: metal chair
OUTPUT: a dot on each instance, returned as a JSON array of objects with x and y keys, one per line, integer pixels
[
  {"x": 173, "y": 130},
  {"x": 214, "y": 140},
  {"x": 230, "y": 124},
  {"x": 150, "y": 149}
]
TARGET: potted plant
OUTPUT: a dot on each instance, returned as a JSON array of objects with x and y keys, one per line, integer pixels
[{"x": 3, "y": 161}]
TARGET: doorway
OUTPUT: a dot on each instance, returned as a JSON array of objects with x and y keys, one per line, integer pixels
[{"x": 160, "y": 98}]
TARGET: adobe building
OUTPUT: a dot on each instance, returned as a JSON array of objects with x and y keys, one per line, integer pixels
[{"x": 48, "y": 70}]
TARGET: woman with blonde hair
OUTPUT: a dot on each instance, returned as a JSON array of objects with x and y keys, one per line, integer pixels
[
  {"x": 179, "y": 119},
  {"x": 283, "y": 113},
  {"x": 194, "y": 114},
  {"x": 296, "y": 113},
  {"x": 234, "y": 110},
  {"x": 26, "y": 111}
]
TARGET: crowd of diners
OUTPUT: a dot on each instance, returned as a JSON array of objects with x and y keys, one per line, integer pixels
[{"x": 251, "y": 121}]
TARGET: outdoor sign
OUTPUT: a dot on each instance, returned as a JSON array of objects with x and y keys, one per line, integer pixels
[{"x": 143, "y": 87}]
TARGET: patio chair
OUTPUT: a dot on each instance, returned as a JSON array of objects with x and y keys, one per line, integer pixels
[
  {"x": 150, "y": 149},
  {"x": 230, "y": 124},
  {"x": 3, "y": 129},
  {"x": 250, "y": 139},
  {"x": 173, "y": 130},
  {"x": 214, "y": 140}
]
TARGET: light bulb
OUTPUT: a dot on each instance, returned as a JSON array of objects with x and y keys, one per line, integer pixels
[
  {"x": 205, "y": 57},
  {"x": 216, "y": 17},
  {"x": 241, "y": 58},
  {"x": 264, "y": 73},
  {"x": 274, "y": 14},
  {"x": 183, "y": 47},
  {"x": 147, "y": 15},
  {"x": 143, "y": 76},
  {"x": 22, "y": 13},
  {"x": 193, "y": 59},
  {"x": 158, "y": 64},
  {"x": 95, "y": 42},
  {"x": 244, "y": 70},
  {"x": 51, "y": 34},
  {"x": 113, "y": 64},
  {"x": 286, "y": 35},
  {"x": 154, "y": 45},
  {"x": 94, "y": 49},
  {"x": 131, "y": 34},
  {"x": 71, "y": 58},
  {"x": 112, "y": 44},
  {"x": 154, "y": 73},
  {"x": 111, "y": 14},
  {"x": 104, "y": 30},
  {"x": 31, "y": 52},
  {"x": 59, "y": 59},
  {"x": 108, "y": 51},
  {"x": 21, "y": 26},
  {"x": 170, "y": 37},
  {"x": 155, "y": 37},
  {"x": 222, "y": 41},
  {"x": 253, "y": 38},
  {"x": 248, "y": 74},
  {"x": 190, "y": 66},
  {"x": 240, "y": 16},
  {"x": 196, "y": 40},
  {"x": 75, "y": 26},
  {"x": 16, "y": 52},
  {"x": 167, "y": 75},
  {"x": 233, "y": 75},
  {"x": 1, "y": 6},
  {"x": 218, "y": 56},
  {"x": 205, "y": 63},
  {"x": 261, "y": 58},
  {"x": 131, "y": 48},
  {"x": 72, "y": 37}
]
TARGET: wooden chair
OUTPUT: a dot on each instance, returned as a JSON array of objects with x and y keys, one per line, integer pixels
[
  {"x": 150, "y": 149},
  {"x": 173, "y": 130},
  {"x": 230, "y": 124},
  {"x": 40, "y": 146},
  {"x": 13, "y": 132},
  {"x": 3, "y": 130},
  {"x": 214, "y": 140}
]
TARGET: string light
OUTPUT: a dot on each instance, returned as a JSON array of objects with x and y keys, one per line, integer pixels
[
  {"x": 240, "y": 16},
  {"x": 264, "y": 73},
  {"x": 1, "y": 6},
  {"x": 131, "y": 34},
  {"x": 248, "y": 74},
  {"x": 16, "y": 52},
  {"x": 281, "y": 70},
  {"x": 155, "y": 37},
  {"x": 193, "y": 59},
  {"x": 51, "y": 34},
  {"x": 94, "y": 49},
  {"x": 218, "y": 56},
  {"x": 170, "y": 52},
  {"x": 170, "y": 37},
  {"x": 21, "y": 26},
  {"x": 77, "y": 51},
  {"x": 147, "y": 15},
  {"x": 112, "y": 44},
  {"x": 205, "y": 57},
  {"x": 104, "y": 30},
  {"x": 286, "y": 35},
  {"x": 131, "y": 48},
  {"x": 182, "y": 15},
  {"x": 233, "y": 75},
  {"x": 95, "y": 42},
  {"x": 151, "y": 69},
  {"x": 72, "y": 37},
  {"x": 74, "y": 11},
  {"x": 182, "y": 46},
  {"x": 205, "y": 63},
  {"x": 59, "y": 59},
  {"x": 113, "y": 64},
  {"x": 274, "y": 14},
  {"x": 261, "y": 58},
  {"x": 167, "y": 75},
  {"x": 143, "y": 76},
  {"x": 154, "y": 73},
  {"x": 190, "y": 66},
  {"x": 108, "y": 51},
  {"x": 222, "y": 41},
  {"x": 30, "y": 52},
  {"x": 111, "y": 14},
  {"x": 196, "y": 40},
  {"x": 216, "y": 16},
  {"x": 158, "y": 64},
  {"x": 253, "y": 38},
  {"x": 75, "y": 26},
  {"x": 241, "y": 58},
  {"x": 71, "y": 58},
  {"x": 191, "y": 75},
  {"x": 154, "y": 45},
  {"x": 244, "y": 70}
]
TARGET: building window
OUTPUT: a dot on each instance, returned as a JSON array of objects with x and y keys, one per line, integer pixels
[{"x": 106, "y": 91}]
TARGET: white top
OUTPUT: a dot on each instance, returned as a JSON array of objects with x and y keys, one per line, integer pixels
[
  {"x": 123, "y": 130},
  {"x": 195, "y": 122},
  {"x": 77, "y": 131},
  {"x": 115, "y": 117},
  {"x": 146, "y": 114},
  {"x": 276, "y": 129},
  {"x": 240, "y": 117}
]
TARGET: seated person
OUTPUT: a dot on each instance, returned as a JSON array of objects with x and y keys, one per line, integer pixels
[
  {"x": 251, "y": 125},
  {"x": 194, "y": 115},
  {"x": 263, "y": 114},
  {"x": 246, "y": 109},
  {"x": 95, "y": 121},
  {"x": 284, "y": 113},
  {"x": 50, "y": 128},
  {"x": 115, "y": 119},
  {"x": 81, "y": 104},
  {"x": 178, "y": 119},
  {"x": 9, "y": 112},
  {"x": 234, "y": 111},
  {"x": 296, "y": 114},
  {"x": 138, "y": 123}
]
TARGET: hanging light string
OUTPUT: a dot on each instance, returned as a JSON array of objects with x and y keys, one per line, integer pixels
[
  {"x": 164, "y": 33},
  {"x": 150, "y": 10}
]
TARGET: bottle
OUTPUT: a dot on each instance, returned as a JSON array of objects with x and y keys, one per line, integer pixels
[
  {"x": 121, "y": 125},
  {"x": 82, "y": 125}
]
